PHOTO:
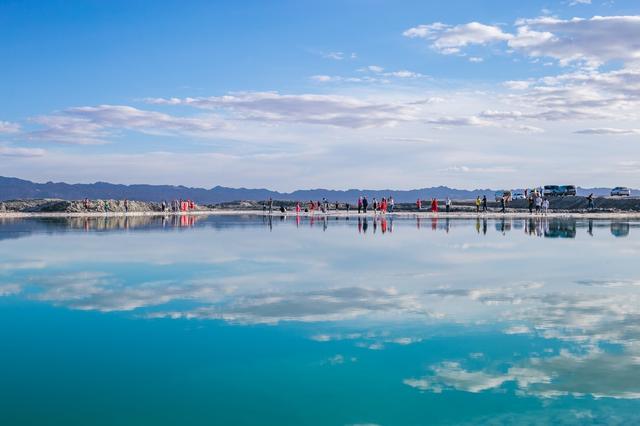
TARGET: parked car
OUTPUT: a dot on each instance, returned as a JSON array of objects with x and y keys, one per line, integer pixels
[
  {"x": 559, "y": 190},
  {"x": 551, "y": 191},
  {"x": 620, "y": 191},
  {"x": 569, "y": 190},
  {"x": 503, "y": 194},
  {"x": 517, "y": 195}
]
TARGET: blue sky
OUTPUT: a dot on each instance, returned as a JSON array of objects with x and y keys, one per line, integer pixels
[{"x": 331, "y": 94}]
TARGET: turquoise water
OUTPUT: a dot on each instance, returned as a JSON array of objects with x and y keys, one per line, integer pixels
[{"x": 250, "y": 321}]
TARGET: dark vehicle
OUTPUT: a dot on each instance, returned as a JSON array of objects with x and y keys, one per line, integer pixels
[
  {"x": 559, "y": 191},
  {"x": 569, "y": 190},
  {"x": 551, "y": 191}
]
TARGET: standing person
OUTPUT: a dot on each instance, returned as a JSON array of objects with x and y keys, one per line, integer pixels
[
  {"x": 484, "y": 203},
  {"x": 503, "y": 204},
  {"x": 359, "y": 204},
  {"x": 348, "y": 206},
  {"x": 270, "y": 205},
  {"x": 297, "y": 207},
  {"x": 447, "y": 204},
  {"x": 434, "y": 205},
  {"x": 538, "y": 203},
  {"x": 337, "y": 206},
  {"x": 365, "y": 204},
  {"x": 419, "y": 204},
  {"x": 392, "y": 204},
  {"x": 478, "y": 204},
  {"x": 530, "y": 201},
  {"x": 375, "y": 205},
  {"x": 545, "y": 206},
  {"x": 590, "y": 204},
  {"x": 126, "y": 205}
]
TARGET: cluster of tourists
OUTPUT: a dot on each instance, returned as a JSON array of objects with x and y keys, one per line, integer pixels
[
  {"x": 178, "y": 205},
  {"x": 385, "y": 205}
]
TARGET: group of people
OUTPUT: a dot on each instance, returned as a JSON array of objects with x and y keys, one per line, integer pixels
[
  {"x": 383, "y": 206},
  {"x": 178, "y": 205}
]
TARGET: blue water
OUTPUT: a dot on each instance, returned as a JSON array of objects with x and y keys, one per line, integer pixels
[{"x": 234, "y": 320}]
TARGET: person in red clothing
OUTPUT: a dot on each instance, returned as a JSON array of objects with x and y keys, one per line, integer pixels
[
  {"x": 419, "y": 204},
  {"x": 434, "y": 205}
]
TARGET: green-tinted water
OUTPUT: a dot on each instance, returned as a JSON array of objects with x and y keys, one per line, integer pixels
[{"x": 247, "y": 321}]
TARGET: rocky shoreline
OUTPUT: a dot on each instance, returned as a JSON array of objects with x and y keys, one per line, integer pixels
[{"x": 564, "y": 205}]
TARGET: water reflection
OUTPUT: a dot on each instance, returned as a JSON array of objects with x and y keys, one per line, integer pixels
[
  {"x": 539, "y": 226},
  {"x": 565, "y": 303}
]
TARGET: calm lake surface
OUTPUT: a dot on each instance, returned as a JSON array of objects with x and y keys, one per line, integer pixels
[{"x": 230, "y": 320}]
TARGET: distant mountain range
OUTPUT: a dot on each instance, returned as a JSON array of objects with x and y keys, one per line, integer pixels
[{"x": 14, "y": 188}]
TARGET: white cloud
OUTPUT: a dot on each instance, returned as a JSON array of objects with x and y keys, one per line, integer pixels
[
  {"x": 94, "y": 124},
  {"x": 608, "y": 131},
  {"x": 332, "y": 110},
  {"x": 458, "y": 121},
  {"x": 9, "y": 127},
  {"x": 592, "y": 41},
  {"x": 450, "y": 39},
  {"x": 339, "y": 56},
  {"x": 595, "y": 41},
  {"x": 321, "y": 78},
  {"x": 375, "y": 68},
  {"x": 7, "y": 151},
  {"x": 517, "y": 84}
]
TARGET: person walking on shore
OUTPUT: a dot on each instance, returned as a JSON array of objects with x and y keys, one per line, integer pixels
[
  {"x": 545, "y": 206},
  {"x": 502, "y": 204},
  {"x": 392, "y": 204},
  {"x": 538, "y": 204},
  {"x": 530, "y": 201},
  {"x": 484, "y": 203},
  {"x": 298, "y": 208},
  {"x": 590, "y": 205},
  {"x": 126, "y": 205},
  {"x": 365, "y": 204},
  {"x": 359, "y": 204},
  {"x": 419, "y": 204},
  {"x": 478, "y": 204},
  {"x": 447, "y": 204},
  {"x": 375, "y": 205},
  {"x": 270, "y": 205},
  {"x": 434, "y": 205}
]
